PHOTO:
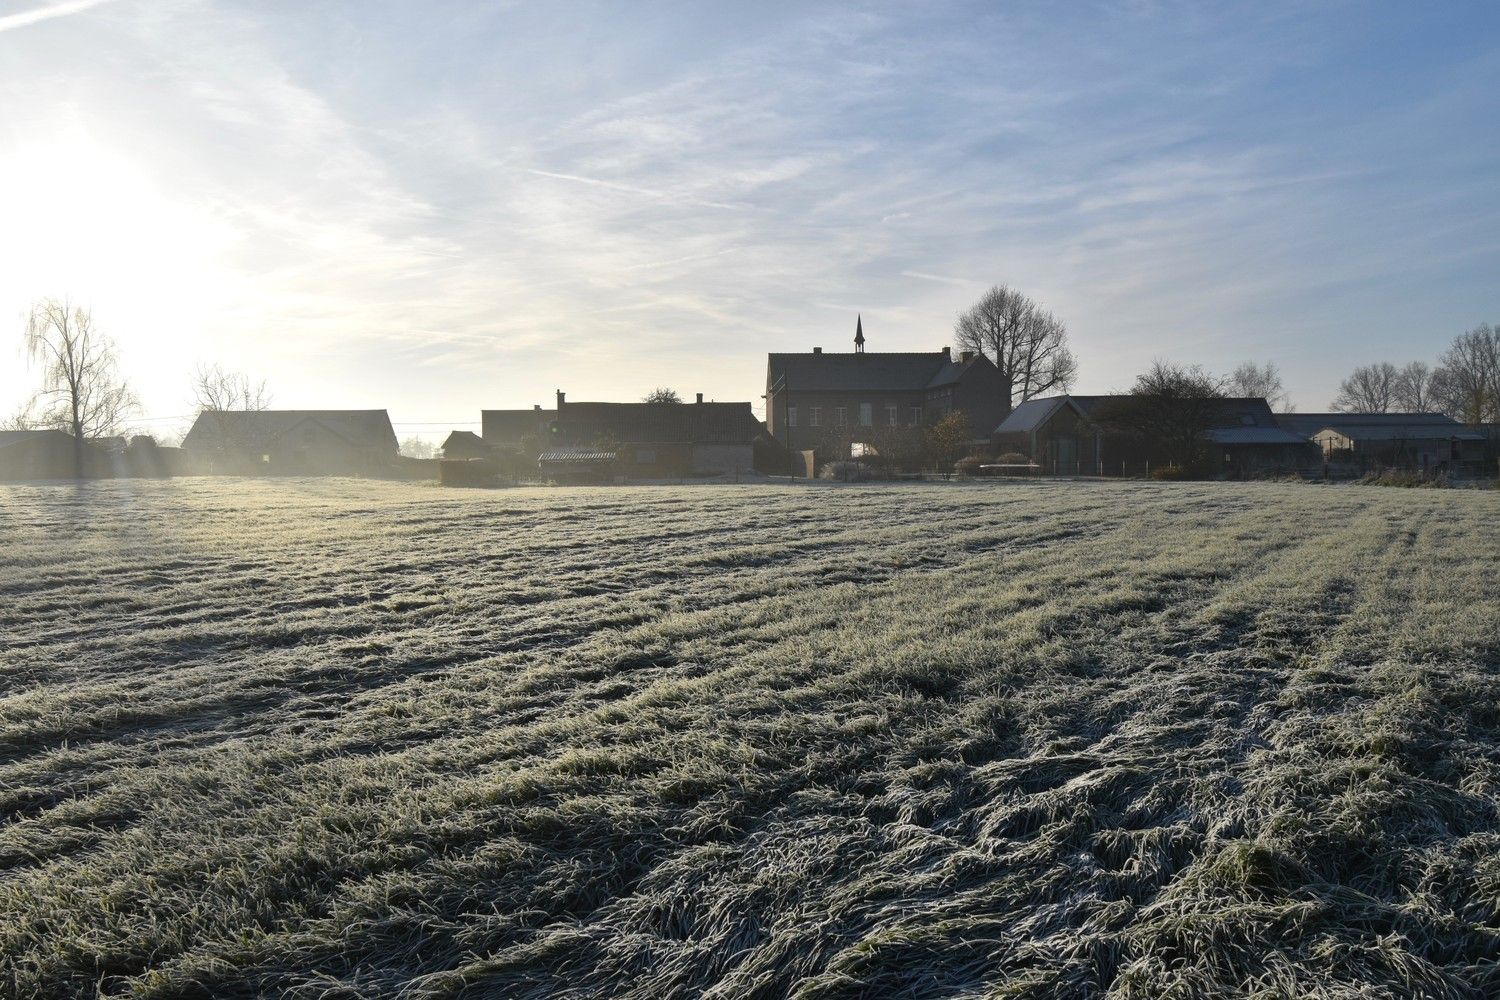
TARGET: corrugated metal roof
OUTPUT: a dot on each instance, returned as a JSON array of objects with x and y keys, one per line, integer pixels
[{"x": 576, "y": 456}]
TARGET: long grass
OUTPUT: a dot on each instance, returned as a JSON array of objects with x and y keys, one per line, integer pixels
[{"x": 331, "y": 739}]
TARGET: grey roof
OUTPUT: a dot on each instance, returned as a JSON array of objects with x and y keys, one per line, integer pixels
[
  {"x": 504, "y": 426},
  {"x": 255, "y": 428},
  {"x": 8, "y": 438},
  {"x": 1254, "y": 435},
  {"x": 1308, "y": 424},
  {"x": 1408, "y": 432},
  {"x": 830, "y": 372},
  {"x": 1031, "y": 414},
  {"x": 659, "y": 423}
]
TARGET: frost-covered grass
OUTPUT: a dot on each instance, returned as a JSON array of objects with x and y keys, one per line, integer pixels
[{"x": 358, "y": 739}]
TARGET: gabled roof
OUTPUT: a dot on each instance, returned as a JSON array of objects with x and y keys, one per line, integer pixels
[
  {"x": 463, "y": 438},
  {"x": 951, "y": 372},
  {"x": 829, "y": 372},
  {"x": 257, "y": 428},
  {"x": 8, "y": 438},
  {"x": 660, "y": 423},
  {"x": 1308, "y": 424},
  {"x": 1254, "y": 435},
  {"x": 500, "y": 426},
  {"x": 1033, "y": 413}
]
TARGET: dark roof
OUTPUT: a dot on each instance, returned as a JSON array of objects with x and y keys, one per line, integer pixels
[
  {"x": 1232, "y": 411},
  {"x": 660, "y": 423},
  {"x": 463, "y": 438},
  {"x": 1033, "y": 413},
  {"x": 1308, "y": 424},
  {"x": 255, "y": 428},
  {"x": 1254, "y": 435},
  {"x": 829, "y": 372},
  {"x": 1406, "y": 432},
  {"x": 504, "y": 426},
  {"x": 8, "y": 438}
]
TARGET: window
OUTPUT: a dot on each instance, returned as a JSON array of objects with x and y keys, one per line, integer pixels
[
  {"x": 891, "y": 415},
  {"x": 916, "y": 416},
  {"x": 814, "y": 416},
  {"x": 866, "y": 414},
  {"x": 841, "y": 415},
  {"x": 791, "y": 416}
]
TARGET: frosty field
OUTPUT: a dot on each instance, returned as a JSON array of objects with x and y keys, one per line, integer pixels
[{"x": 358, "y": 739}]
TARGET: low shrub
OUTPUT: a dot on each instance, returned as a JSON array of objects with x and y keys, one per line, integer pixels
[
  {"x": 846, "y": 470},
  {"x": 969, "y": 464},
  {"x": 1012, "y": 458},
  {"x": 1405, "y": 479}
]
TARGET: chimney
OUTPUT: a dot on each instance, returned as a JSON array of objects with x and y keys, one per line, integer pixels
[
  {"x": 561, "y": 396},
  {"x": 947, "y": 353},
  {"x": 700, "y": 397},
  {"x": 966, "y": 356},
  {"x": 537, "y": 407},
  {"x": 817, "y": 350}
]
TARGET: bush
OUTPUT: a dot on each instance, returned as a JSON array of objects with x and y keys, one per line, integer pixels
[
  {"x": 1404, "y": 479},
  {"x": 1013, "y": 458},
  {"x": 845, "y": 470},
  {"x": 969, "y": 465},
  {"x": 1169, "y": 473}
]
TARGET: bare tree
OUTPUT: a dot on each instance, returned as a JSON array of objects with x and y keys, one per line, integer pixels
[
  {"x": 1466, "y": 385},
  {"x": 1259, "y": 381},
  {"x": 217, "y": 389},
  {"x": 1412, "y": 391},
  {"x": 82, "y": 391},
  {"x": 1171, "y": 407},
  {"x": 1028, "y": 344},
  {"x": 415, "y": 447},
  {"x": 1368, "y": 389},
  {"x": 662, "y": 396}
]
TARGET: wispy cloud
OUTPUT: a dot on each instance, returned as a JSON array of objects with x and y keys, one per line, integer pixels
[{"x": 28, "y": 17}]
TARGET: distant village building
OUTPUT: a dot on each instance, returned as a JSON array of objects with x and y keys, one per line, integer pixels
[
  {"x": 46, "y": 454},
  {"x": 464, "y": 445},
  {"x": 1072, "y": 435},
  {"x": 829, "y": 402},
  {"x": 294, "y": 442},
  {"x": 646, "y": 440},
  {"x": 1428, "y": 442}
]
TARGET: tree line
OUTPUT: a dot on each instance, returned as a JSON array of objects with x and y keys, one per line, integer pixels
[{"x": 1464, "y": 384}]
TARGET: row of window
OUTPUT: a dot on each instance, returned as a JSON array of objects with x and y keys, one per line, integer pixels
[{"x": 866, "y": 416}]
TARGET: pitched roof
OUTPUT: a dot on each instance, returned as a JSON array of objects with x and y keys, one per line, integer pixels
[
  {"x": 854, "y": 372},
  {"x": 1406, "y": 432},
  {"x": 660, "y": 423},
  {"x": 8, "y": 438},
  {"x": 1254, "y": 435},
  {"x": 503, "y": 426},
  {"x": 255, "y": 428},
  {"x": 1308, "y": 424},
  {"x": 1032, "y": 414}
]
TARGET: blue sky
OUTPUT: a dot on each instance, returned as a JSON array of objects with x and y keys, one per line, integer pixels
[{"x": 439, "y": 207}]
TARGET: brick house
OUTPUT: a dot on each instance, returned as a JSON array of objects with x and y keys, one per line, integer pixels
[
  {"x": 647, "y": 440},
  {"x": 825, "y": 402}
]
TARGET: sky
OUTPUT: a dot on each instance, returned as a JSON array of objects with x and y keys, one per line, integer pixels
[{"x": 440, "y": 207}]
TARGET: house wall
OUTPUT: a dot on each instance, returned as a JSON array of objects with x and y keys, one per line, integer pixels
[
  {"x": 47, "y": 457},
  {"x": 828, "y": 434}
]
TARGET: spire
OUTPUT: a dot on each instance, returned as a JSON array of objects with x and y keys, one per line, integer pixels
[{"x": 859, "y": 334}]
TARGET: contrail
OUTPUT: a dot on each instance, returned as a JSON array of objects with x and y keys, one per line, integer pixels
[{"x": 24, "y": 18}]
